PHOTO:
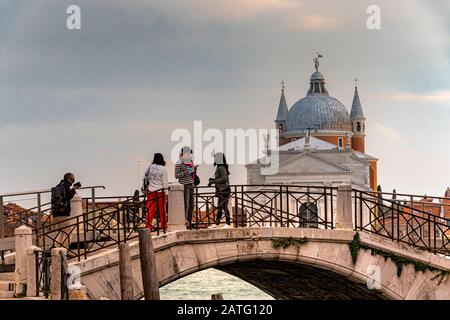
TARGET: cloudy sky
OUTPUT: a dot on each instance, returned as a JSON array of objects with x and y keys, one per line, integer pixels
[{"x": 96, "y": 101}]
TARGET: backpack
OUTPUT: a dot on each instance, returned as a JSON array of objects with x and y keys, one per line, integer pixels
[
  {"x": 59, "y": 200},
  {"x": 145, "y": 182}
]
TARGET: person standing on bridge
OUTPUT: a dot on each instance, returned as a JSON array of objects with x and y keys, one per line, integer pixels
[
  {"x": 186, "y": 173},
  {"x": 62, "y": 194},
  {"x": 156, "y": 184},
  {"x": 221, "y": 181}
]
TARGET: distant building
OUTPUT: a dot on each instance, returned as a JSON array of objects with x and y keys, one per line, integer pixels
[
  {"x": 13, "y": 214},
  {"x": 415, "y": 220},
  {"x": 320, "y": 142}
]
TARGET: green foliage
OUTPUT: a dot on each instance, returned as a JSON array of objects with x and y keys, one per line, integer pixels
[
  {"x": 285, "y": 243},
  {"x": 355, "y": 245}
]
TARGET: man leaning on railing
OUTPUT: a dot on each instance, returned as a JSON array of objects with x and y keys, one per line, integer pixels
[{"x": 61, "y": 196}]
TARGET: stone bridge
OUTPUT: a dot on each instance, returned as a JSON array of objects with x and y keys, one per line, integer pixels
[{"x": 318, "y": 267}]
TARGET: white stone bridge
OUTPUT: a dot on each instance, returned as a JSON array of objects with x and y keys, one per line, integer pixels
[
  {"x": 321, "y": 268},
  {"x": 291, "y": 242}
]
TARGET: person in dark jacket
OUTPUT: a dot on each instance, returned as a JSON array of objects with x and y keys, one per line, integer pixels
[
  {"x": 60, "y": 217},
  {"x": 222, "y": 183}
]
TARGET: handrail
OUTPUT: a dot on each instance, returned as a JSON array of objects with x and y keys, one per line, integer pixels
[
  {"x": 423, "y": 196},
  {"x": 413, "y": 209},
  {"x": 43, "y": 191}
]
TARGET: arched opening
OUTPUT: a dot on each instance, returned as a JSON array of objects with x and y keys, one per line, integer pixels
[
  {"x": 266, "y": 280},
  {"x": 294, "y": 281},
  {"x": 201, "y": 285}
]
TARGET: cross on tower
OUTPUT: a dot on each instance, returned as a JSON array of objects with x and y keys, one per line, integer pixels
[
  {"x": 283, "y": 85},
  {"x": 356, "y": 82}
]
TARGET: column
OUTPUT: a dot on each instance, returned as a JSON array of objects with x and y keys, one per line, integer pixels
[
  {"x": 177, "y": 219},
  {"x": 31, "y": 270},
  {"x": 344, "y": 214},
  {"x": 23, "y": 238}
]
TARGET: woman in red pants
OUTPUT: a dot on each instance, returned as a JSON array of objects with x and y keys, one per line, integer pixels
[{"x": 155, "y": 186}]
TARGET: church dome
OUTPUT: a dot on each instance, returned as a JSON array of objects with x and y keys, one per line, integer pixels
[
  {"x": 317, "y": 76},
  {"x": 318, "y": 111}
]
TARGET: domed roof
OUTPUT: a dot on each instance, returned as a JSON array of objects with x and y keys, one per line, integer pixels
[
  {"x": 317, "y": 76},
  {"x": 318, "y": 111}
]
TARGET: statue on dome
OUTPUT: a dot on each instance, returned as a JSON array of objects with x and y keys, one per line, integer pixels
[{"x": 316, "y": 61}]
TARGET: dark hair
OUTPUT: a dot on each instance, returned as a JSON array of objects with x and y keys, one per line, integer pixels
[
  {"x": 186, "y": 150},
  {"x": 67, "y": 176},
  {"x": 221, "y": 160},
  {"x": 158, "y": 159}
]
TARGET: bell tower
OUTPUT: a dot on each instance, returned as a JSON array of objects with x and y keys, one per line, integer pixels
[
  {"x": 280, "y": 121},
  {"x": 358, "y": 123}
]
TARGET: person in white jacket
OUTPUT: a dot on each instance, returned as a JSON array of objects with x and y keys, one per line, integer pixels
[{"x": 155, "y": 186}]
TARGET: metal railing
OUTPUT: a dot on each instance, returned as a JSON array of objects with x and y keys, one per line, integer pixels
[
  {"x": 267, "y": 205},
  {"x": 43, "y": 273},
  {"x": 64, "y": 278},
  {"x": 109, "y": 221},
  {"x": 101, "y": 228},
  {"x": 36, "y": 214},
  {"x": 407, "y": 220}
]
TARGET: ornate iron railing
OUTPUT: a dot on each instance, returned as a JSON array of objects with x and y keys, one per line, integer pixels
[
  {"x": 410, "y": 221},
  {"x": 33, "y": 216},
  {"x": 267, "y": 205},
  {"x": 64, "y": 278},
  {"x": 43, "y": 273},
  {"x": 112, "y": 220},
  {"x": 101, "y": 228}
]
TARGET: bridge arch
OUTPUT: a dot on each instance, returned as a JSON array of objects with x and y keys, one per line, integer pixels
[{"x": 321, "y": 268}]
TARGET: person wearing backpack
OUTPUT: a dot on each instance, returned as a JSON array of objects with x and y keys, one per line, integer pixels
[
  {"x": 186, "y": 173},
  {"x": 62, "y": 194},
  {"x": 221, "y": 181},
  {"x": 155, "y": 186}
]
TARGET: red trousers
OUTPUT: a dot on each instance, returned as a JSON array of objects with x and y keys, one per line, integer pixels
[{"x": 156, "y": 202}]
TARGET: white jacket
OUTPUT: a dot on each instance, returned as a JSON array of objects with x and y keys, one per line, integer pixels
[{"x": 157, "y": 178}]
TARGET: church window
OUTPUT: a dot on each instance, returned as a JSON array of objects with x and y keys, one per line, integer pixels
[
  {"x": 358, "y": 126},
  {"x": 341, "y": 143}
]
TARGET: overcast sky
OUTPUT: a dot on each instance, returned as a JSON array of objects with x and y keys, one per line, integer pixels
[{"x": 95, "y": 101}]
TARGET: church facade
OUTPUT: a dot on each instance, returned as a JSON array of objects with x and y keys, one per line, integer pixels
[{"x": 320, "y": 142}]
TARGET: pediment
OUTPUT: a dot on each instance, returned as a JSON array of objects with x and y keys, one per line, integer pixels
[{"x": 310, "y": 163}]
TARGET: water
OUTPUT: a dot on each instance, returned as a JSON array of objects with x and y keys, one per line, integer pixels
[{"x": 201, "y": 285}]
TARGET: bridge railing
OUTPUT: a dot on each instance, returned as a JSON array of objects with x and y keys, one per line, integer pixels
[
  {"x": 411, "y": 219},
  {"x": 268, "y": 206},
  {"x": 31, "y": 208},
  {"x": 101, "y": 228}
]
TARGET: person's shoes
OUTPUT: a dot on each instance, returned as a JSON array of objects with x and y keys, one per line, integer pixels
[
  {"x": 213, "y": 226},
  {"x": 226, "y": 226}
]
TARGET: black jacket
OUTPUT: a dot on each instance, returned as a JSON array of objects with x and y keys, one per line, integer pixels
[
  {"x": 221, "y": 179},
  {"x": 70, "y": 193}
]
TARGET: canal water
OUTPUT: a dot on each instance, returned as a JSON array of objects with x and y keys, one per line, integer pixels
[{"x": 201, "y": 285}]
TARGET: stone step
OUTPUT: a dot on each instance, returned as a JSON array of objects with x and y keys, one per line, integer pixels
[
  {"x": 6, "y": 294},
  {"x": 6, "y": 285},
  {"x": 7, "y": 276}
]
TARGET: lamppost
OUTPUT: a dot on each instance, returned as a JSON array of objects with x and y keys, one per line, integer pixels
[{"x": 139, "y": 163}]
